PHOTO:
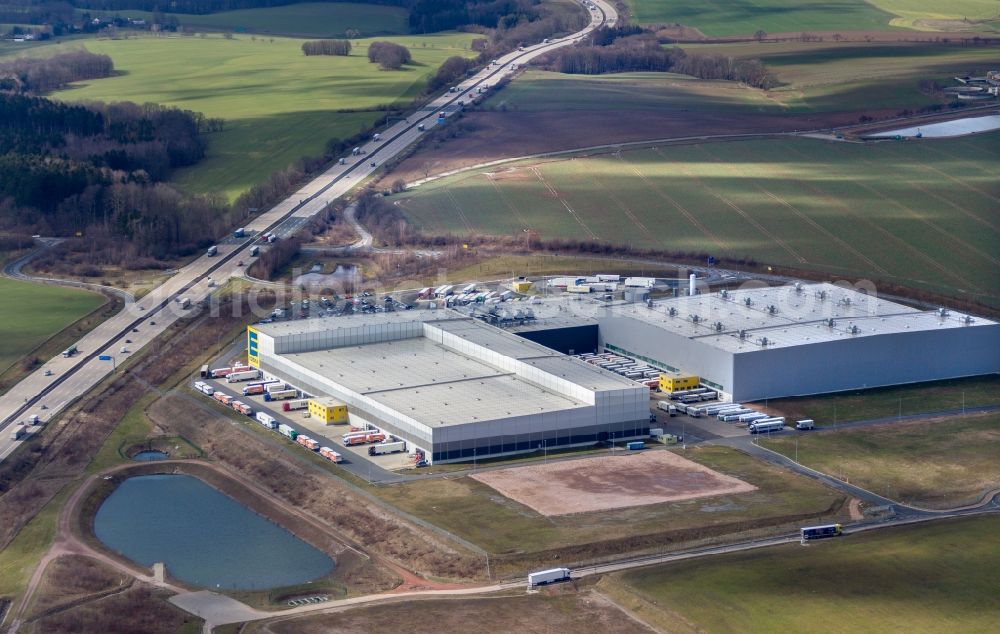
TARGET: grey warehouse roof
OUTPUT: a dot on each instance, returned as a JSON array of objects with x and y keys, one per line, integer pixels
[{"x": 756, "y": 318}]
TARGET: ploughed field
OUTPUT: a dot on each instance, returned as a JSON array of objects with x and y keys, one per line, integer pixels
[{"x": 919, "y": 213}]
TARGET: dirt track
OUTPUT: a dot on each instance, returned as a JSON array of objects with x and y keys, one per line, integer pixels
[{"x": 609, "y": 482}]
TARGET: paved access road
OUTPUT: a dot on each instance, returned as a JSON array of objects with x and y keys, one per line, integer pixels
[{"x": 70, "y": 378}]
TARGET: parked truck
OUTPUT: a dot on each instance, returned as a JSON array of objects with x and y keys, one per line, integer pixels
[
  {"x": 290, "y": 406},
  {"x": 280, "y": 395},
  {"x": 767, "y": 426},
  {"x": 266, "y": 420},
  {"x": 307, "y": 442},
  {"x": 254, "y": 389},
  {"x": 545, "y": 577},
  {"x": 288, "y": 431},
  {"x": 242, "y": 408},
  {"x": 362, "y": 437},
  {"x": 330, "y": 454},
  {"x": 803, "y": 425},
  {"x": 225, "y": 399},
  {"x": 384, "y": 448},
  {"x": 667, "y": 407},
  {"x": 247, "y": 375},
  {"x": 218, "y": 373}
]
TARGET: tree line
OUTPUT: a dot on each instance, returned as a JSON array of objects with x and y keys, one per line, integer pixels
[
  {"x": 44, "y": 74},
  {"x": 327, "y": 47},
  {"x": 626, "y": 48}
]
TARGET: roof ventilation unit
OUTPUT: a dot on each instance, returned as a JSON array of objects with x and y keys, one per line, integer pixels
[
  {"x": 743, "y": 334},
  {"x": 695, "y": 318},
  {"x": 724, "y": 294},
  {"x": 855, "y": 330},
  {"x": 942, "y": 312},
  {"x": 672, "y": 312},
  {"x": 748, "y": 301},
  {"x": 772, "y": 309},
  {"x": 763, "y": 342},
  {"x": 718, "y": 326},
  {"x": 830, "y": 322},
  {"x": 820, "y": 295}
]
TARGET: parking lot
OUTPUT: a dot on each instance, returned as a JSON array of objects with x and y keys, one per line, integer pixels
[{"x": 355, "y": 459}]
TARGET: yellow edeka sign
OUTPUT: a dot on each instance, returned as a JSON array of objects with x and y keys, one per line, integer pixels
[{"x": 253, "y": 356}]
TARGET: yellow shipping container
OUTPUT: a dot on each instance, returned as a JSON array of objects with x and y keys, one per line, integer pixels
[
  {"x": 676, "y": 383},
  {"x": 521, "y": 287},
  {"x": 327, "y": 410}
]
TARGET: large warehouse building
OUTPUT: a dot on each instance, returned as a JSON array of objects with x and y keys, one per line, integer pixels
[
  {"x": 771, "y": 342},
  {"x": 451, "y": 385}
]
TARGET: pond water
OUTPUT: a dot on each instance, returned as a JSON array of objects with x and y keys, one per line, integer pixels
[
  {"x": 148, "y": 456},
  {"x": 204, "y": 537},
  {"x": 958, "y": 127}
]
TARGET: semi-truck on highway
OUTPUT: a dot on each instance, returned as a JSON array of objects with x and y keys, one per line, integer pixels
[
  {"x": 18, "y": 432},
  {"x": 212, "y": 251},
  {"x": 545, "y": 577},
  {"x": 70, "y": 351}
]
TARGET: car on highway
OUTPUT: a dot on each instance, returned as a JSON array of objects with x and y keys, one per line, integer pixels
[
  {"x": 48, "y": 373},
  {"x": 135, "y": 330}
]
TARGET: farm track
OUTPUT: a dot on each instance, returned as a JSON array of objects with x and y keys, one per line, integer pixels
[
  {"x": 618, "y": 201},
  {"x": 565, "y": 204},
  {"x": 510, "y": 205}
]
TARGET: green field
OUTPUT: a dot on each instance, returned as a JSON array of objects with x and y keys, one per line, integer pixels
[
  {"x": 307, "y": 19},
  {"x": 916, "y": 13},
  {"x": 516, "y": 533},
  {"x": 888, "y": 402},
  {"x": 937, "y": 464},
  {"x": 858, "y": 76},
  {"x": 920, "y": 213},
  {"x": 31, "y": 313},
  {"x": 939, "y": 577},
  {"x": 278, "y": 104},
  {"x": 542, "y": 91},
  {"x": 716, "y": 18}
]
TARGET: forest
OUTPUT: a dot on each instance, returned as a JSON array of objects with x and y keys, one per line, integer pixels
[{"x": 97, "y": 169}]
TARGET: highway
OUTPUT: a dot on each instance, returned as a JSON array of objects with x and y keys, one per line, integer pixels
[{"x": 60, "y": 381}]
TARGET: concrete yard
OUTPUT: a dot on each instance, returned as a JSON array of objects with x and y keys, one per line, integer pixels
[{"x": 610, "y": 482}]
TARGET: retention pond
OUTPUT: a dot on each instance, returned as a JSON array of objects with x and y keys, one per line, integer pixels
[{"x": 204, "y": 537}]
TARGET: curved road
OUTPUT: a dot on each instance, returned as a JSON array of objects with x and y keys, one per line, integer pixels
[
  {"x": 146, "y": 318},
  {"x": 13, "y": 271}
]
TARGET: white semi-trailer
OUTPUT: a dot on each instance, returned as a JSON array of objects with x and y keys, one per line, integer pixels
[
  {"x": 384, "y": 448},
  {"x": 249, "y": 375},
  {"x": 545, "y": 577}
]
